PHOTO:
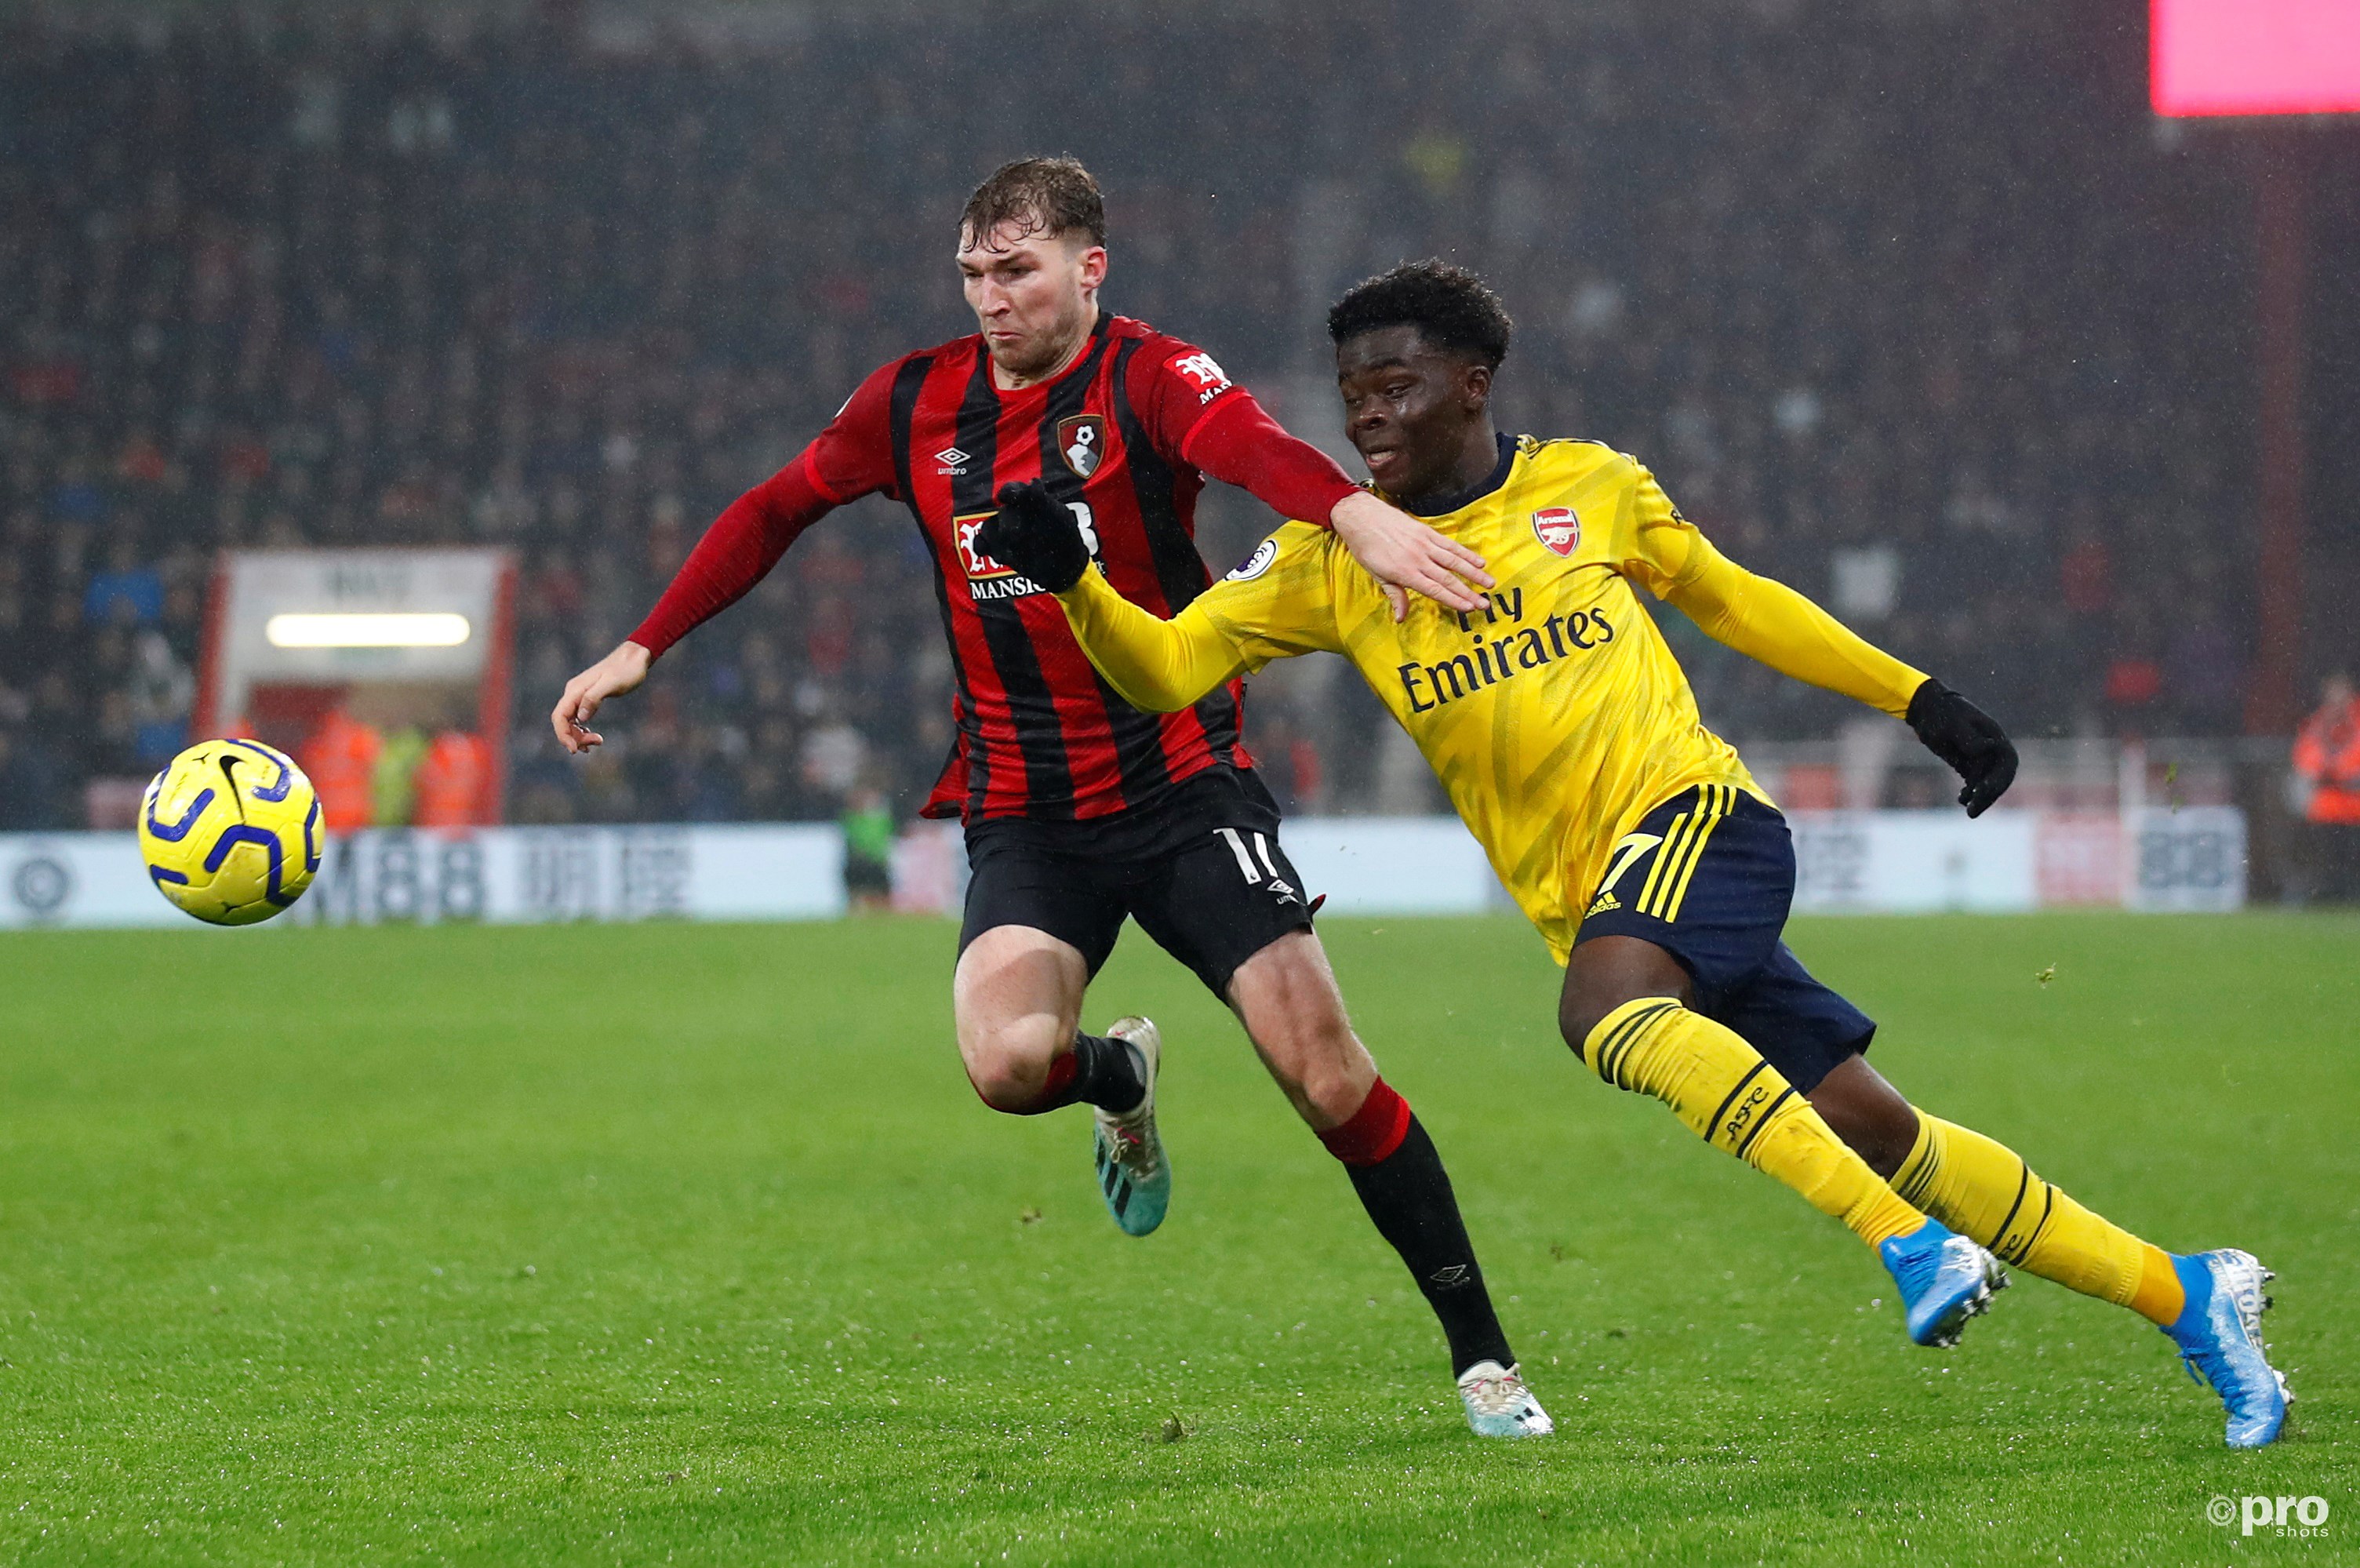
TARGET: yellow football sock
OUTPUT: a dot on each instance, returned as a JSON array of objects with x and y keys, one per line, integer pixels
[
  {"x": 1728, "y": 1095},
  {"x": 1983, "y": 1189}
]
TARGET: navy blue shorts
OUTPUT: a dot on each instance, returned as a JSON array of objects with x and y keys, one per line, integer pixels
[{"x": 1708, "y": 877}]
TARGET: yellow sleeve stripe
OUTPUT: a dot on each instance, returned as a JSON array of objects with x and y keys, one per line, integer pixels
[{"x": 1683, "y": 847}]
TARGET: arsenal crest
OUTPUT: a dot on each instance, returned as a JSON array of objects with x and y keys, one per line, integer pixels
[
  {"x": 1082, "y": 439},
  {"x": 1558, "y": 528}
]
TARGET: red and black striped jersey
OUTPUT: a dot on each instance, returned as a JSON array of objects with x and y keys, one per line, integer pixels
[{"x": 1039, "y": 733}]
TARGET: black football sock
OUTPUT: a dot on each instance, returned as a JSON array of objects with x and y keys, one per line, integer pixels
[
  {"x": 1398, "y": 1173},
  {"x": 1100, "y": 1070}
]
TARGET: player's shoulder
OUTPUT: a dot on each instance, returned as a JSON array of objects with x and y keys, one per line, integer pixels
[
  {"x": 1575, "y": 459},
  {"x": 1131, "y": 329},
  {"x": 1161, "y": 354},
  {"x": 1587, "y": 477},
  {"x": 1291, "y": 544},
  {"x": 875, "y": 389},
  {"x": 955, "y": 350}
]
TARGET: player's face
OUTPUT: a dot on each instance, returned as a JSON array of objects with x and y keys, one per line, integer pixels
[
  {"x": 1408, "y": 407},
  {"x": 1032, "y": 295}
]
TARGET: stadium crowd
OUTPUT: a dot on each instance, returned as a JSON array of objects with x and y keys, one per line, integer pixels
[{"x": 570, "y": 292}]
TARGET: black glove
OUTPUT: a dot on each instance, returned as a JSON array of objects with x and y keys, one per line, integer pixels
[
  {"x": 1033, "y": 534},
  {"x": 1968, "y": 739}
]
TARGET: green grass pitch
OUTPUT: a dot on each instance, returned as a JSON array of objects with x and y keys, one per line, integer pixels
[{"x": 669, "y": 1243}]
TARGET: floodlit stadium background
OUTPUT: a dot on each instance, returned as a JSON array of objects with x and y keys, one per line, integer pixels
[
  {"x": 1952, "y": 316},
  {"x": 401, "y": 1230}
]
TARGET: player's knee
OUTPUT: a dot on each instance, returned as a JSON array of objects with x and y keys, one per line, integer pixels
[
  {"x": 1578, "y": 1014},
  {"x": 1332, "y": 1094},
  {"x": 1609, "y": 972},
  {"x": 1008, "y": 1071},
  {"x": 1321, "y": 1065},
  {"x": 1006, "y": 1086}
]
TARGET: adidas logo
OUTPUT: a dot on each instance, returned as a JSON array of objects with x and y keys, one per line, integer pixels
[
  {"x": 952, "y": 459},
  {"x": 1606, "y": 901}
]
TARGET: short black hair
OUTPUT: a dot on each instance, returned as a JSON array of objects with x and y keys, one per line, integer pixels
[
  {"x": 1048, "y": 196},
  {"x": 1451, "y": 307}
]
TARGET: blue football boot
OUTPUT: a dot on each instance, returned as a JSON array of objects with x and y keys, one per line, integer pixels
[
  {"x": 1135, "y": 1177},
  {"x": 1945, "y": 1279},
  {"x": 2219, "y": 1334}
]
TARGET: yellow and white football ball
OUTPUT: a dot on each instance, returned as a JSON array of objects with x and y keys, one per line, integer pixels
[{"x": 231, "y": 831}]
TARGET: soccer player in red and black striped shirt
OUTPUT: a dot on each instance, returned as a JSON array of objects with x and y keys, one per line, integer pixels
[{"x": 1081, "y": 810}]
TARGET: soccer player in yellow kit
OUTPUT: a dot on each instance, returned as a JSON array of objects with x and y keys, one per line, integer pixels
[{"x": 1634, "y": 837}]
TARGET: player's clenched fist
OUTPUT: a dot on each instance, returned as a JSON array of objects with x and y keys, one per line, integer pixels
[
  {"x": 1968, "y": 739},
  {"x": 617, "y": 673},
  {"x": 1037, "y": 537}
]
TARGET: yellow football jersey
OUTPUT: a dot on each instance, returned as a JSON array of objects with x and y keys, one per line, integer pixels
[{"x": 1556, "y": 716}]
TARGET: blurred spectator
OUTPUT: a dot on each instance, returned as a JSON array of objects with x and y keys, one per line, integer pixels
[
  {"x": 2134, "y": 671},
  {"x": 2204, "y": 674},
  {"x": 2327, "y": 759},
  {"x": 34, "y": 794},
  {"x": 2084, "y": 580},
  {"x": 833, "y": 757},
  {"x": 340, "y": 758},
  {"x": 161, "y": 691},
  {"x": 126, "y": 591},
  {"x": 393, "y": 778},
  {"x": 451, "y": 780},
  {"x": 868, "y": 829}
]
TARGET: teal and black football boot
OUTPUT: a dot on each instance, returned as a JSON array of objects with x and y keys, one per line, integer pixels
[{"x": 1135, "y": 1177}]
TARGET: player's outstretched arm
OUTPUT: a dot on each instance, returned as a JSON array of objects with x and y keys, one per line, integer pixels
[
  {"x": 744, "y": 543},
  {"x": 1238, "y": 442},
  {"x": 619, "y": 672},
  {"x": 852, "y": 457},
  {"x": 1156, "y": 665},
  {"x": 1765, "y": 620},
  {"x": 1402, "y": 552}
]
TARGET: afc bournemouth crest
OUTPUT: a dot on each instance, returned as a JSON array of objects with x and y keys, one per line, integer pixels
[
  {"x": 1082, "y": 439},
  {"x": 1558, "y": 528}
]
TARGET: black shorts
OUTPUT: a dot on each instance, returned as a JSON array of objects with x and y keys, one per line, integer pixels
[
  {"x": 1200, "y": 870},
  {"x": 1709, "y": 876}
]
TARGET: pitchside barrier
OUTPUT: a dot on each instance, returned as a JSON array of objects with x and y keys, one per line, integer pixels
[{"x": 2192, "y": 857}]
